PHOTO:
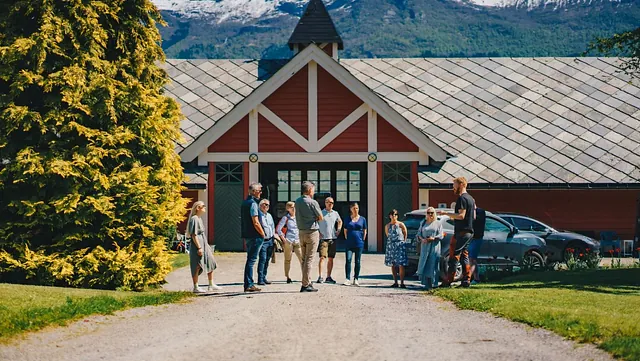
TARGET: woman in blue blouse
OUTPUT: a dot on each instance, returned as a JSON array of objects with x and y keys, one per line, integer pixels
[{"x": 355, "y": 232}]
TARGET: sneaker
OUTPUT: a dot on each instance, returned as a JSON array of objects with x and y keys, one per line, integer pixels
[
  {"x": 356, "y": 283},
  {"x": 197, "y": 289},
  {"x": 330, "y": 280},
  {"x": 309, "y": 288},
  {"x": 395, "y": 285},
  {"x": 463, "y": 285},
  {"x": 213, "y": 287},
  {"x": 347, "y": 283},
  {"x": 320, "y": 280}
]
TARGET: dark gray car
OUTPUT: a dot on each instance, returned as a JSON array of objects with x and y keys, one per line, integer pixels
[
  {"x": 557, "y": 241},
  {"x": 503, "y": 243}
]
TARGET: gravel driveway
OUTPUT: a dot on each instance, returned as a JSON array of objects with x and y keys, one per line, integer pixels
[{"x": 372, "y": 322}]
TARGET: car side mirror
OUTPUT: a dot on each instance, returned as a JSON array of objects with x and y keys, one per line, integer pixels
[{"x": 514, "y": 231}]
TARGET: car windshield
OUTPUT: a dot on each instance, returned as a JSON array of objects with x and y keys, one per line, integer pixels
[{"x": 412, "y": 222}]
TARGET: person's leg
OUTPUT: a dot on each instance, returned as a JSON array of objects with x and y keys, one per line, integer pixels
[
  {"x": 474, "y": 269},
  {"x": 270, "y": 249},
  {"x": 323, "y": 250},
  {"x": 394, "y": 273},
  {"x": 253, "y": 249},
  {"x": 464, "y": 258},
  {"x": 320, "y": 262},
  {"x": 262, "y": 261},
  {"x": 347, "y": 264},
  {"x": 332, "y": 254},
  {"x": 194, "y": 277},
  {"x": 358, "y": 263},
  {"x": 297, "y": 249},
  {"x": 451, "y": 265},
  {"x": 309, "y": 246},
  {"x": 288, "y": 254},
  {"x": 401, "y": 275}
]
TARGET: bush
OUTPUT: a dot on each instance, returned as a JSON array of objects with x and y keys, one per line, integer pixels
[{"x": 134, "y": 267}]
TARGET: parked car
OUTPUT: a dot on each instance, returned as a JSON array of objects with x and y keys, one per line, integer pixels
[
  {"x": 557, "y": 241},
  {"x": 503, "y": 244}
]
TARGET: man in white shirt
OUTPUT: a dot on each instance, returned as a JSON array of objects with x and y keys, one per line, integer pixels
[{"x": 330, "y": 226}]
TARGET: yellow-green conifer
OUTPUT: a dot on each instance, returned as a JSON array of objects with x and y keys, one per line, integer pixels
[{"x": 88, "y": 169}]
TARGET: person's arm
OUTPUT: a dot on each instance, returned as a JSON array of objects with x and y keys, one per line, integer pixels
[
  {"x": 193, "y": 230},
  {"x": 345, "y": 231},
  {"x": 318, "y": 211},
  {"x": 281, "y": 224},
  {"x": 257, "y": 226},
  {"x": 386, "y": 230},
  {"x": 339, "y": 223},
  {"x": 364, "y": 234},
  {"x": 461, "y": 213},
  {"x": 404, "y": 230}
]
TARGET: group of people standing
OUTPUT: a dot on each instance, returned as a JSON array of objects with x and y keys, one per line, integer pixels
[{"x": 306, "y": 229}]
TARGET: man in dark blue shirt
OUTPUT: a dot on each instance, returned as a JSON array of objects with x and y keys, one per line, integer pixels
[
  {"x": 252, "y": 233},
  {"x": 463, "y": 232}
]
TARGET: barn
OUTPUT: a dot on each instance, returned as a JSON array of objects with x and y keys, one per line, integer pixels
[{"x": 554, "y": 138}]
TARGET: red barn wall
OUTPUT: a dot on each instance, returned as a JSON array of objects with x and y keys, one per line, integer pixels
[
  {"x": 576, "y": 210},
  {"x": 193, "y": 195},
  {"x": 335, "y": 102},
  {"x": 235, "y": 140},
  {"x": 391, "y": 140},
  {"x": 291, "y": 102},
  {"x": 272, "y": 139},
  {"x": 354, "y": 139}
]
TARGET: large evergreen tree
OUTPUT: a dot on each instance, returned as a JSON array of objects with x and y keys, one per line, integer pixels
[{"x": 89, "y": 179}]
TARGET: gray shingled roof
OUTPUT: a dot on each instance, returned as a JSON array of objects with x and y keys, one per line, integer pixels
[{"x": 506, "y": 120}]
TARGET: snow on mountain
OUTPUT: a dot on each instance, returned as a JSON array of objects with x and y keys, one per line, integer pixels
[
  {"x": 248, "y": 10},
  {"x": 228, "y": 10}
]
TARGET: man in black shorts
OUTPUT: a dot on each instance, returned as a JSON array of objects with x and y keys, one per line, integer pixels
[
  {"x": 463, "y": 233},
  {"x": 330, "y": 227}
]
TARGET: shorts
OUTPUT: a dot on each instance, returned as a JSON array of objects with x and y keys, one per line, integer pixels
[
  {"x": 327, "y": 248},
  {"x": 474, "y": 248}
]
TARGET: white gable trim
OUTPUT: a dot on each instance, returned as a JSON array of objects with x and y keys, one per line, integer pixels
[
  {"x": 284, "y": 127},
  {"x": 313, "y": 106},
  {"x": 342, "y": 126},
  {"x": 312, "y": 52}
]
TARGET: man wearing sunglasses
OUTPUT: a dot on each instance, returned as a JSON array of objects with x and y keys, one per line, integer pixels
[
  {"x": 266, "y": 251},
  {"x": 330, "y": 226},
  {"x": 252, "y": 232}
]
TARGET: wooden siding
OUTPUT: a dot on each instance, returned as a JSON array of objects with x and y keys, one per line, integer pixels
[
  {"x": 328, "y": 49},
  {"x": 272, "y": 139},
  {"x": 193, "y": 197},
  {"x": 291, "y": 102},
  {"x": 354, "y": 139},
  {"x": 591, "y": 210},
  {"x": 335, "y": 101},
  {"x": 391, "y": 140},
  {"x": 236, "y": 140}
]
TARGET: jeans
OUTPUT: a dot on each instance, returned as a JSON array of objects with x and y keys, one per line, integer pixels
[
  {"x": 347, "y": 266},
  {"x": 266, "y": 251},
  {"x": 253, "y": 250}
]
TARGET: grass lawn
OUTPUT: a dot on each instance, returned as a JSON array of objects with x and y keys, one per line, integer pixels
[
  {"x": 29, "y": 308},
  {"x": 179, "y": 260},
  {"x": 597, "y": 306}
]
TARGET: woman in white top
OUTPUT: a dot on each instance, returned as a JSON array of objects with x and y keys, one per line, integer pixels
[
  {"x": 287, "y": 229},
  {"x": 429, "y": 236}
]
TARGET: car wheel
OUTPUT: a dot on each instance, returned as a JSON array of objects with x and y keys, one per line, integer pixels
[
  {"x": 533, "y": 260},
  {"x": 443, "y": 274}
]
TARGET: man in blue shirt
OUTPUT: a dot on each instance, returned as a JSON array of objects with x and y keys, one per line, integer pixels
[
  {"x": 252, "y": 233},
  {"x": 267, "y": 246}
]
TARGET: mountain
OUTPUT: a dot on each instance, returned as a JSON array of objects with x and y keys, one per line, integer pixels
[{"x": 396, "y": 28}]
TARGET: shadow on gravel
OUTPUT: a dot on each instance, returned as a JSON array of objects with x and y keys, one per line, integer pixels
[{"x": 247, "y": 294}]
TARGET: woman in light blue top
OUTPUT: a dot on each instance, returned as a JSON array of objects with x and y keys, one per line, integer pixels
[
  {"x": 288, "y": 231},
  {"x": 429, "y": 235}
]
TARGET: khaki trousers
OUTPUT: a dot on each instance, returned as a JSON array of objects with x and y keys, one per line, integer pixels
[
  {"x": 309, "y": 241},
  {"x": 289, "y": 250}
]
